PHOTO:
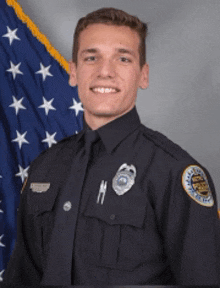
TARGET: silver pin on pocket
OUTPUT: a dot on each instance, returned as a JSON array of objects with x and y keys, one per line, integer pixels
[{"x": 102, "y": 192}]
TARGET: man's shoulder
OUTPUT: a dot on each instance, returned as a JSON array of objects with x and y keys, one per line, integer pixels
[
  {"x": 166, "y": 146},
  {"x": 59, "y": 150}
]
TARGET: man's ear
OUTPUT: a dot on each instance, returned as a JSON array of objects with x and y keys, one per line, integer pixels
[
  {"x": 72, "y": 73},
  {"x": 144, "y": 81}
]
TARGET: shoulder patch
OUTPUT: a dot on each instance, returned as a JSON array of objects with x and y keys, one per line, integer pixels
[{"x": 195, "y": 183}]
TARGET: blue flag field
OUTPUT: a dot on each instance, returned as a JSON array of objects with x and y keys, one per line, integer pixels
[{"x": 37, "y": 109}]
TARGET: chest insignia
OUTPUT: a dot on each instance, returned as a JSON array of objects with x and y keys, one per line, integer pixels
[
  {"x": 39, "y": 187},
  {"x": 124, "y": 179},
  {"x": 196, "y": 185}
]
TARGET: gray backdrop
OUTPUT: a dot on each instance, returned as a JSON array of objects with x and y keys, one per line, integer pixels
[{"x": 183, "y": 48}]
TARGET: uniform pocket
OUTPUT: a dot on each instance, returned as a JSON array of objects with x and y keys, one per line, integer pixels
[
  {"x": 118, "y": 232},
  {"x": 40, "y": 202},
  {"x": 40, "y": 209}
]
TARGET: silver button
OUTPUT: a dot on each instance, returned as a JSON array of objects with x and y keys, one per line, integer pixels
[
  {"x": 112, "y": 217},
  {"x": 67, "y": 206}
]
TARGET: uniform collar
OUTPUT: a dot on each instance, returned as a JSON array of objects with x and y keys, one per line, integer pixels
[{"x": 115, "y": 131}]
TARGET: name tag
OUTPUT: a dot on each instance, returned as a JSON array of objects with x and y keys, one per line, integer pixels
[{"x": 40, "y": 187}]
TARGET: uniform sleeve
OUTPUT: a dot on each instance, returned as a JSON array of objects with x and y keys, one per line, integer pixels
[
  {"x": 23, "y": 267},
  {"x": 191, "y": 227}
]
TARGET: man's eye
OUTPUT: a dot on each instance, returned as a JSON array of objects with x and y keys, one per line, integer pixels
[
  {"x": 90, "y": 58},
  {"x": 125, "y": 59}
]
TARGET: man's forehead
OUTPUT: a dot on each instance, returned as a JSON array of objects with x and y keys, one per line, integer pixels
[
  {"x": 108, "y": 27},
  {"x": 101, "y": 33}
]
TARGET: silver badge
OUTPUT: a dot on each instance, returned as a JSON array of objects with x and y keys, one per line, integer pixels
[
  {"x": 124, "y": 179},
  {"x": 39, "y": 187}
]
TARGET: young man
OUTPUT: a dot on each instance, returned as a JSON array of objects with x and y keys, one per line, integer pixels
[{"x": 117, "y": 204}]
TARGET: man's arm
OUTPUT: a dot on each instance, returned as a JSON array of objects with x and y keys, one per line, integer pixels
[
  {"x": 23, "y": 269},
  {"x": 192, "y": 228}
]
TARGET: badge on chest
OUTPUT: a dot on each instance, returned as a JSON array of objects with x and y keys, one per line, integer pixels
[
  {"x": 124, "y": 179},
  {"x": 121, "y": 183}
]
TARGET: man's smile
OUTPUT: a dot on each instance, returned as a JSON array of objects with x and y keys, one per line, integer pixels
[{"x": 103, "y": 90}]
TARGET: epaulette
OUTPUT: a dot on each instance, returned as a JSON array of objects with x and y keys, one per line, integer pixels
[{"x": 168, "y": 146}]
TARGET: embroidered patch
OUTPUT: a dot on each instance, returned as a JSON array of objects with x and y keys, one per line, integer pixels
[
  {"x": 196, "y": 185},
  {"x": 124, "y": 179}
]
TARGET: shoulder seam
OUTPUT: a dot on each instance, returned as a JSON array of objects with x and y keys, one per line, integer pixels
[{"x": 162, "y": 142}]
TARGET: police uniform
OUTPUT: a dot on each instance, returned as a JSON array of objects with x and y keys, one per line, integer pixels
[{"x": 121, "y": 205}]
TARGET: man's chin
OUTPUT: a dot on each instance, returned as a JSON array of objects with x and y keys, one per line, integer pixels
[
  {"x": 108, "y": 114},
  {"x": 104, "y": 113}
]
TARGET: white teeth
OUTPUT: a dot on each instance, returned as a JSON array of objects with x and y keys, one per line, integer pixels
[{"x": 104, "y": 90}]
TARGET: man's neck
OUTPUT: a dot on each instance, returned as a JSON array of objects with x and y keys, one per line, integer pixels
[{"x": 95, "y": 122}]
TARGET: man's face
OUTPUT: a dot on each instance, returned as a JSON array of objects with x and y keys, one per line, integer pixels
[{"x": 108, "y": 71}]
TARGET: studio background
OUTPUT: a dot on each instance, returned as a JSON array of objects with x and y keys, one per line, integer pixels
[{"x": 183, "y": 48}]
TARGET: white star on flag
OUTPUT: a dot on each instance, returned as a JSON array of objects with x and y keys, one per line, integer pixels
[
  {"x": 11, "y": 35},
  {"x": 1, "y": 211},
  {"x": 77, "y": 106},
  {"x": 20, "y": 139},
  {"x": 50, "y": 139},
  {"x": 15, "y": 69},
  {"x": 1, "y": 279},
  {"x": 17, "y": 104},
  {"x": 47, "y": 105},
  {"x": 44, "y": 71},
  {"x": 1, "y": 244},
  {"x": 22, "y": 173}
]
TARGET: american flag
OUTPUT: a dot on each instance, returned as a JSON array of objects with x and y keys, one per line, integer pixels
[{"x": 37, "y": 109}]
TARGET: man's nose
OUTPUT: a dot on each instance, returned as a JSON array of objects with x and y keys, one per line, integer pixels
[{"x": 106, "y": 69}]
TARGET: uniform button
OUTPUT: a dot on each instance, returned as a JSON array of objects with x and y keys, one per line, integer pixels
[
  {"x": 112, "y": 217},
  {"x": 67, "y": 206}
]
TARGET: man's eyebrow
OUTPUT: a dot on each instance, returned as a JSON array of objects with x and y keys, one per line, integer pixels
[
  {"x": 118, "y": 50},
  {"x": 89, "y": 50},
  {"x": 125, "y": 51}
]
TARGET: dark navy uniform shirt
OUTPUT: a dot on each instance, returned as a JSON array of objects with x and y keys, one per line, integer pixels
[{"x": 121, "y": 205}]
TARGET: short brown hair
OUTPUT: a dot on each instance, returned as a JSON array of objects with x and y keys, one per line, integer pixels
[{"x": 112, "y": 16}]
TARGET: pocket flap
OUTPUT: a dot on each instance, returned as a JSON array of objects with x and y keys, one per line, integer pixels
[
  {"x": 41, "y": 201},
  {"x": 128, "y": 209}
]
